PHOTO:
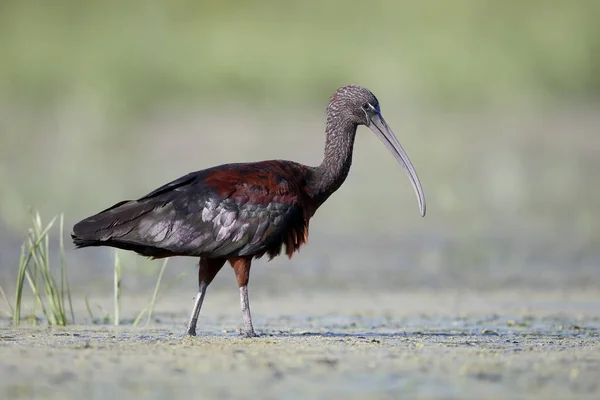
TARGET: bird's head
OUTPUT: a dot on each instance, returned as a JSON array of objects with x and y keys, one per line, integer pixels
[{"x": 359, "y": 106}]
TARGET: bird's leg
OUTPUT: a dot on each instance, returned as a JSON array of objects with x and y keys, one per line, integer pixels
[
  {"x": 248, "y": 328},
  {"x": 241, "y": 267},
  {"x": 191, "y": 328},
  {"x": 209, "y": 267}
]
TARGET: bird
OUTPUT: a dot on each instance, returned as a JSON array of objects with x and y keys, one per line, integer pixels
[{"x": 242, "y": 211}]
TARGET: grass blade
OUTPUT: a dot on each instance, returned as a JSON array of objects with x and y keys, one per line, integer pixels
[
  {"x": 89, "y": 309},
  {"x": 158, "y": 280},
  {"x": 140, "y": 316},
  {"x": 117, "y": 287},
  {"x": 64, "y": 276},
  {"x": 165, "y": 291},
  {"x": 36, "y": 274},
  {"x": 7, "y": 301},
  {"x": 36, "y": 294},
  {"x": 42, "y": 263},
  {"x": 37, "y": 236},
  {"x": 19, "y": 287}
]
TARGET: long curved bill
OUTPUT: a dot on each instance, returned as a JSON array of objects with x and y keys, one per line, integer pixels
[{"x": 383, "y": 131}]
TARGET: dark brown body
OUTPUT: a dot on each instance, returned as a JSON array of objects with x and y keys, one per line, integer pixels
[{"x": 233, "y": 210}]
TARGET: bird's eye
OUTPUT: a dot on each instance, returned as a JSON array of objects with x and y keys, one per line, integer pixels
[{"x": 367, "y": 107}]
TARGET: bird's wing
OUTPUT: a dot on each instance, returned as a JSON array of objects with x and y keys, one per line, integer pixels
[{"x": 227, "y": 211}]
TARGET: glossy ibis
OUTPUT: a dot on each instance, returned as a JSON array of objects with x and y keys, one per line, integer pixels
[{"x": 237, "y": 212}]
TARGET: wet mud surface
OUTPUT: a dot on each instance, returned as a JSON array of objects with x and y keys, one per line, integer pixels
[{"x": 330, "y": 345}]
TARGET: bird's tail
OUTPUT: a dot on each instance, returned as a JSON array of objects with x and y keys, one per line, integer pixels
[
  {"x": 120, "y": 226},
  {"x": 114, "y": 222},
  {"x": 79, "y": 242}
]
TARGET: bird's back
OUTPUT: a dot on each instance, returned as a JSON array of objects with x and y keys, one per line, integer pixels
[{"x": 244, "y": 209}]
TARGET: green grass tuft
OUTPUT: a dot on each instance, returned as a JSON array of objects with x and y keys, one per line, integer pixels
[{"x": 34, "y": 265}]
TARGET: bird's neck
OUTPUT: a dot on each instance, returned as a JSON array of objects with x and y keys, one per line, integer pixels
[{"x": 332, "y": 172}]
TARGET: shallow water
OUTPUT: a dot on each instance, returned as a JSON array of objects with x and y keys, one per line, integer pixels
[{"x": 327, "y": 345}]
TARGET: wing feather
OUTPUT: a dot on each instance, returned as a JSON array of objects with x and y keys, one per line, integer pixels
[{"x": 235, "y": 210}]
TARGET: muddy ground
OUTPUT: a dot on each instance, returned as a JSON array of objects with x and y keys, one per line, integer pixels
[{"x": 350, "y": 345}]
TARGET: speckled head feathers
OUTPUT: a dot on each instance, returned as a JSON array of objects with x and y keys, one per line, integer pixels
[{"x": 348, "y": 103}]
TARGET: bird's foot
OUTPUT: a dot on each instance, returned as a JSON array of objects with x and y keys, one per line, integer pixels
[
  {"x": 190, "y": 332},
  {"x": 248, "y": 334}
]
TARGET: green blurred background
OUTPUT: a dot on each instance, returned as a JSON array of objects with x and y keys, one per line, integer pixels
[{"x": 496, "y": 102}]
